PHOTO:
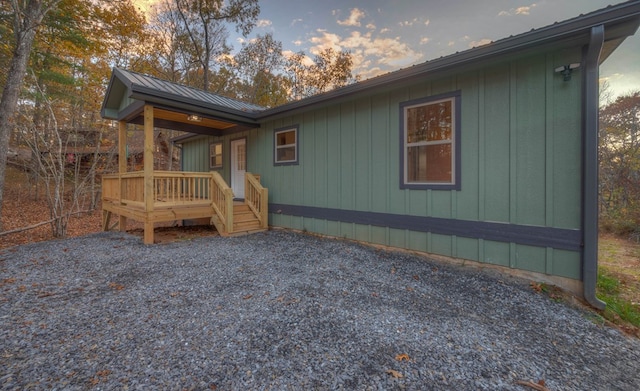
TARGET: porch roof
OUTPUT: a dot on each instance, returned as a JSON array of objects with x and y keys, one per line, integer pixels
[{"x": 176, "y": 106}]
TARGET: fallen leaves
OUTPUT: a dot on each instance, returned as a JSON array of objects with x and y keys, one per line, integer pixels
[
  {"x": 553, "y": 292},
  {"x": 43, "y": 294},
  {"x": 539, "y": 386},
  {"x": 395, "y": 374},
  {"x": 284, "y": 300},
  {"x": 21, "y": 208},
  {"x": 116, "y": 286},
  {"x": 538, "y": 287},
  {"x": 100, "y": 376}
]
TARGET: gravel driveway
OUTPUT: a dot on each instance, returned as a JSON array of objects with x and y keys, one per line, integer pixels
[{"x": 286, "y": 311}]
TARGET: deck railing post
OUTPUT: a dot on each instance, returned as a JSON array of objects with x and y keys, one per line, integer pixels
[
  {"x": 149, "y": 194},
  {"x": 264, "y": 208},
  {"x": 228, "y": 199}
]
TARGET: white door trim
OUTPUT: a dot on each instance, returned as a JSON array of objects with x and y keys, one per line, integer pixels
[{"x": 238, "y": 166}]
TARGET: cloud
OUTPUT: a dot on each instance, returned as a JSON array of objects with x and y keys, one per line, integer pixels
[
  {"x": 385, "y": 30},
  {"x": 524, "y": 10},
  {"x": 263, "y": 23},
  {"x": 408, "y": 23},
  {"x": 353, "y": 19},
  {"x": 297, "y": 42},
  {"x": 371, "y": 26},
  {"x": 427, "y": 22},
  {"x": 296, "y": 21},
  {"x": 371, "y": 72},
  {"x": 366, "y": 50},
  {"x": 424, "y": 40},
  {"x": 306, "y": 60},
  {"x": 482, "y": 42},
  {"x": 325, "y": 41}
]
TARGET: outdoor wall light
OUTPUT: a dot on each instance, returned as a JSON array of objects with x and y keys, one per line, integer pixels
[
  {"x": 194, "y": 118},
  {"x": 566, "y": 70}
]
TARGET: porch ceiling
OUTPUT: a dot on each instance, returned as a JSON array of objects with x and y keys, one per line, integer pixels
[{"x": 179, "y": 120}]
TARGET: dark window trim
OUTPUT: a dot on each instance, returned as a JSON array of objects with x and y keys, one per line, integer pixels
[
  {"x": 457, "y": 99},
  {"x": 296, "y": 128},
  {"x": 222, "y": 153}
]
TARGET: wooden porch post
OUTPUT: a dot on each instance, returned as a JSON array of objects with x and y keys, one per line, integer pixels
[
  {"x": 148, "y": 174},
  {"x": 122, "y": 164}
]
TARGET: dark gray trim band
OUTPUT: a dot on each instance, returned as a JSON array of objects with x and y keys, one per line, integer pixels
[{"x": 558, "y": 238}]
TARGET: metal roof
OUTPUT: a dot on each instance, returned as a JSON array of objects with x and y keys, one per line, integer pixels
[{"x": 138, "y": 82}]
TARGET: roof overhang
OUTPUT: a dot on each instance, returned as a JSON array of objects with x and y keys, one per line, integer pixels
[{"x": 175, "y": 107}]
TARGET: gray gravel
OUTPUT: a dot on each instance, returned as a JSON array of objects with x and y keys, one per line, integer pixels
[{"x": 286, "y": 311}]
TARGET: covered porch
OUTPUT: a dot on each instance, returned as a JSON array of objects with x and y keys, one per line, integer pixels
[{"x": 151, "y": 196}]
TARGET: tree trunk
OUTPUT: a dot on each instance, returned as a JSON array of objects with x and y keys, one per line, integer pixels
[{"x": 25, "y": 25}]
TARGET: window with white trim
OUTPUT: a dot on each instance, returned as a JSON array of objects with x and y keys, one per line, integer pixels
[
  {"x": 285, "y": 146},
  {"x": 215, "y": 155},
  {"x": 430, "y": 143}
]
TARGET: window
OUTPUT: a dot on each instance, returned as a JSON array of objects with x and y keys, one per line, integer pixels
[
  {"x": 430, "y": 142},
  {"x": 215, "y": 155},
  {"x": 286, "y": 146}
]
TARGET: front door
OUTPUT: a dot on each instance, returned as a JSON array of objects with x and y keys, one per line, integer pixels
[{"x": 238, "y": 166}]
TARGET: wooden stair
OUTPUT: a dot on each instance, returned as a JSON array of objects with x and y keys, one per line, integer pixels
[{"x": 244, "y": 220}]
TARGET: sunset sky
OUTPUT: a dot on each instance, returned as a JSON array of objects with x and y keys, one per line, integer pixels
[{"x": 386, "y": 35}]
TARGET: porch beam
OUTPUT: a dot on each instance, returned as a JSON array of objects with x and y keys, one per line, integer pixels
[{"x": 148, "y": 174}]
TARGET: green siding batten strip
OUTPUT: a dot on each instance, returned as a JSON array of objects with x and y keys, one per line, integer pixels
[{"x": 558, "y": 238}]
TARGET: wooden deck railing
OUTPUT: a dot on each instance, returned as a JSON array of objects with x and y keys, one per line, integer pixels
[
  {"x": 179, "y": 188},
  {"x": 222, "y": 202},
  {"x": 257, "y": 197},
  {"x": 179, "y": 194},
  {"x": 127, "y": 188},
  {"x": 170, "y": 188}
]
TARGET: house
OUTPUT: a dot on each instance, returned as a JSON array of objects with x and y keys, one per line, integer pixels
[{"x": 487, "y": 155}]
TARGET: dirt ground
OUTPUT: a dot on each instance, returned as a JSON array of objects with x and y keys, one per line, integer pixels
[{"x": 21, "y": 208}]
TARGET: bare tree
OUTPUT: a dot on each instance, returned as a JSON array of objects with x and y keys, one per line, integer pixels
[
  {"x": 204, "y": 21},
  {"x": 620, "y": 164},
  {"x": 330, "y": 69}
]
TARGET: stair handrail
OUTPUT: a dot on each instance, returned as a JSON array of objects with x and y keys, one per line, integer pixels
[
  {"x": 257, "y": 198},
  {"x": 222, "y": 201}
]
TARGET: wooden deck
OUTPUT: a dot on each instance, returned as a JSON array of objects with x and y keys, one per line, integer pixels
[{"x": 183, "y": 196}]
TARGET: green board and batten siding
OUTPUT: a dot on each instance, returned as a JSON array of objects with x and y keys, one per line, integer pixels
[{"x": 519, "y": 166}]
